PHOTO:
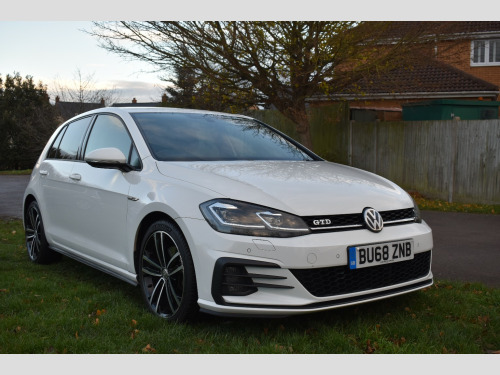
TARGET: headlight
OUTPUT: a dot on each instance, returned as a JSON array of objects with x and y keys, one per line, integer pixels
[
  {"x": 229, "y": 216},
  {"x": 418, "y": 218}
]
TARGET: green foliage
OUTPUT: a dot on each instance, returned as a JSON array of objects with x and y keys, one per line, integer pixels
[
  {"x": 182, "y": 94},
  {"x": 193, "y": 90},
  {"x": 26, "y": 121},
  {"x": 68, "y": 307}
]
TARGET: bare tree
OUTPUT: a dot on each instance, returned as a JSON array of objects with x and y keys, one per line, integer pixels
[
  {"x": 281, "y": 63},
  {"x": 83, "y": 89}
]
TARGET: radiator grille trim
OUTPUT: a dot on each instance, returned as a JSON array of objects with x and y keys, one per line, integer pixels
[{"x": 338, "y": 223}]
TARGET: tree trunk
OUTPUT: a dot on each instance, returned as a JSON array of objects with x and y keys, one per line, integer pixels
[
  {"x": 304, "y": 132},
  {"x": 299, "y": 116}
]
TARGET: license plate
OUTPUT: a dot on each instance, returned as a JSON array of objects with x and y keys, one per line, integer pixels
[{"x": 380, "y": 253}]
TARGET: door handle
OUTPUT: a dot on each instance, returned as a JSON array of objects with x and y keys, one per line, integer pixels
[
  {"x": 43, "y": 172},
  {"x": 75, "y": 176}
]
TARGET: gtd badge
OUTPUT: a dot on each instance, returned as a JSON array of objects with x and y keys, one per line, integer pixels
[
  {"x": 322, "y": 222},
  {"x": 373, "y": 219}
]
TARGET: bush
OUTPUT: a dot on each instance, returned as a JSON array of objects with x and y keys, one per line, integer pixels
[{"x": 27, "y": 121}]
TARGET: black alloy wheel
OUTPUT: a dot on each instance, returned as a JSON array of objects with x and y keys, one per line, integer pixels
[
  {"x": 36, "y": 243},
  {"x": 166, "y": 273}
]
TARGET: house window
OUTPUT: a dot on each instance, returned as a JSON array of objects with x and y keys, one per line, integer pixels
[{"x": 485, "y": 52}]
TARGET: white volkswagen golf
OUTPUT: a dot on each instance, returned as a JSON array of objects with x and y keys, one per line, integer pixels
[{"x": 221, "y": 213}]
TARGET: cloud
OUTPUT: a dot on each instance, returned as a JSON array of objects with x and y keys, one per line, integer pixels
[
  {"x": 140, "y": 90},
  {"x": 123, "y": 90}
]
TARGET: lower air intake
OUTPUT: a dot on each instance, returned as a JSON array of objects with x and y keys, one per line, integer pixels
[{"x": 332, "y": 281}]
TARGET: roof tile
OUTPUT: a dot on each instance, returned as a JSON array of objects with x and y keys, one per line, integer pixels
[{"x": 423, "y": 77}]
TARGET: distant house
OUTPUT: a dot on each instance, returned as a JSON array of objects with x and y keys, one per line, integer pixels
[
  {"x": 465, "y": 64},
  {"x": 67, "y": 110},
  {"x": 134, "y": 103},
  {"x": 383, "y": 96}
]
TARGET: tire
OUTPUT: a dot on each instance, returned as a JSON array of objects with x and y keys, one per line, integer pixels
[
  {"x": 166, "y": 273},
  {"x": 36, "y": 242}
]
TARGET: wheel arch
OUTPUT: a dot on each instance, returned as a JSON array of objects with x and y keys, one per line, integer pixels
[
  {"x": 149, "y": 219},
  {"x": 27, "y": 201}
]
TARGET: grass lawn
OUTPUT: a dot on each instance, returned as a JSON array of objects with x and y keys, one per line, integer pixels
[
  {"x": 425, "y": 203},
  {"x": 68, "y": 307},
  {"x": 16, "y": 172}
]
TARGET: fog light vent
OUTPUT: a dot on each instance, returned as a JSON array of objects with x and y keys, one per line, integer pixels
[
  {"x": 236, "y": 281},
  {"x": 230, "y": 278}
]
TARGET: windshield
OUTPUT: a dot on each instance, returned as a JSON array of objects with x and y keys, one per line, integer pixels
[{"x": 210, "y": 137}]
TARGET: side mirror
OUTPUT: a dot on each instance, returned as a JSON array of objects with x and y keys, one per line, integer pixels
[{"x": 110, "y": 158}]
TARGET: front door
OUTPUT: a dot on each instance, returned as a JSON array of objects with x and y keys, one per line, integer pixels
[{"x": 101, "y": 196}]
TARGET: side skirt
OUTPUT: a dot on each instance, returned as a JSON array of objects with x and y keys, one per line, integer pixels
[{"x": 128, "y": 278}]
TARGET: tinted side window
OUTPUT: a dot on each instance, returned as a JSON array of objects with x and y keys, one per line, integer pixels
[
  {"x": 72, "y": 139},
  {"x": 109, "y": 131},
  {"x": 55, "y": 146}
]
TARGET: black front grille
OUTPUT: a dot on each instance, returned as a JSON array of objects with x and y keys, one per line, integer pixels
[
  {"x": 333, "y": 223},
  {"x": 397, "y": 215},
  {"x": 335, "y": 220},
  {"x": 332, "y": 281}
]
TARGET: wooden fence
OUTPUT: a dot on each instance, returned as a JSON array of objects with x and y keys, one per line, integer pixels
[{"x": 458, "y": 161}]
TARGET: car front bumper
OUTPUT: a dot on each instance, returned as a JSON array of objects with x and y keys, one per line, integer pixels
[{"x": 278, "y": 269}]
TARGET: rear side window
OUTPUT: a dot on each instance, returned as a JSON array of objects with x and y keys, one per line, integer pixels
[
  {"x": 72, "y": 135},
  {"x": 55, "y": 146}
]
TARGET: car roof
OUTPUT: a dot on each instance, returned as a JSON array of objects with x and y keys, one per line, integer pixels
[{"x": 130, "y": 110}]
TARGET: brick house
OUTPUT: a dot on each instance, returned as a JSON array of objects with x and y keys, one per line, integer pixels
[
  {"x": 463, "y": 64},
  {"x": 478, "y": 49}
]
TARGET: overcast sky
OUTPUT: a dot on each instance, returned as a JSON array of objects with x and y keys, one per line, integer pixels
[
  {"x": 53, "y": 51},
  {"x": 40, "y": 39}
]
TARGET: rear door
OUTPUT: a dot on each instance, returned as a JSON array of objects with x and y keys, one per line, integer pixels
[{"x": 56, "y": 199}]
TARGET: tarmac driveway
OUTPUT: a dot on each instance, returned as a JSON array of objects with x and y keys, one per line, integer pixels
[
  {"x": 466, "y": 246},
  {"x": 11, "y": 195}
]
